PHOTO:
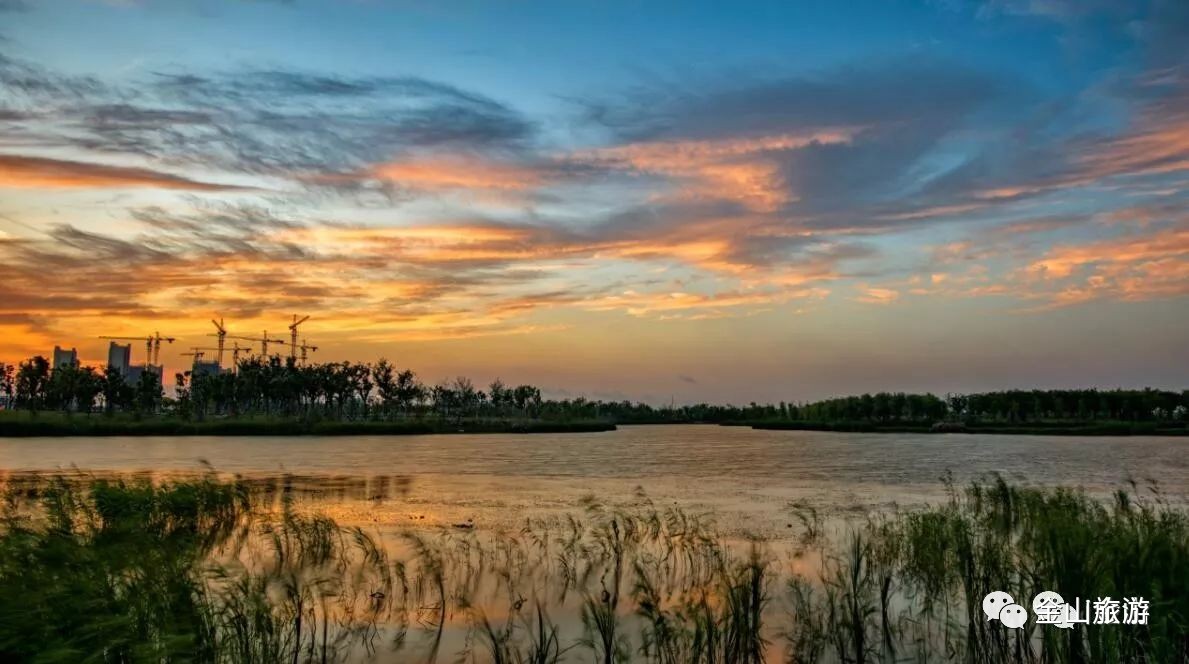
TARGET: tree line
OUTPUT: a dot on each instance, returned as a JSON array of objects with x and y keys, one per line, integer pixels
[
  {"x": 1010, "y": 406},
  {"x": 33, "y": 385},
  {"x": 345, "y": 390},
  {"x": 267, "y": 386},
  {"x": 382, "y": 391}
]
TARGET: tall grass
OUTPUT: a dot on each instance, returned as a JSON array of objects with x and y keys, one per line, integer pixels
[
  {"x": 911, "y": 587},
  {"x": 205, "y": 570}
]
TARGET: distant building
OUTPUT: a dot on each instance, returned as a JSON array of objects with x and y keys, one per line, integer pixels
[
  {"x": 205, "y": 368},
  {"x": 134, "y": 372},
  {"x": 65, "y": 358},
  {"x": 119, "y": 357}
]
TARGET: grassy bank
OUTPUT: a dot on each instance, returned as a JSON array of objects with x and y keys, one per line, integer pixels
[
  {"x": 20, "y": 424},
  {"x": 1092, "y": 428},
  {"x": 211, "y": 571}
]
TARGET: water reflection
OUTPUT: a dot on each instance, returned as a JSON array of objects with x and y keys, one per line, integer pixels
[
  {"x": 748, "y": 478},
  {"x": 424, "y": 567}
]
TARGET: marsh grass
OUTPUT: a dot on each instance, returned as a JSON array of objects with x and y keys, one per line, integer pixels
[
  {"x": 211, "y": 570},
  {"x": 910, "y": 587}
]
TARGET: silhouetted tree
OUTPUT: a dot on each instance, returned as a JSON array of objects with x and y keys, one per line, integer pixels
[
  {"x": 115, "y": 390},
  {"x": 385, "y": 378},
  {"x": 409, "y": 392},
  {"x": 466, "y": 398},
  {"x": 7, "y": 383},
  {"x": 148, "y": 392},
  {"x": 73, "y": 387},
  {"x": 499, "y": 396},
  {"x": 444, "y": 399},
  {"x": 32, "y": 379},
  {"x": 273, "y": 386}
]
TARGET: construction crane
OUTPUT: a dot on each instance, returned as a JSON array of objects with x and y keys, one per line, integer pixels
[
  {"x": 222, "y": 334},
  {"x": 305, "y": 347},
  {"x": 196, "y": 354},
  {"x": 203, "y": 348},
  {"x": 293, "y": 337},
  {"x": 152, "y": 346},
  {"x": 235, "y": 350},
  {"x": 264, "y": 341}
]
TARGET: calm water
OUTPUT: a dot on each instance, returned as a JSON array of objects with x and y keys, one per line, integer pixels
[{"x": 748, "y": 478}]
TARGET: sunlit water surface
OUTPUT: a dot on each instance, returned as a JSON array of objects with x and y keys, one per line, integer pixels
[
  {"x": 746, "y": 478},
  {"x": 748, "y": 482}
]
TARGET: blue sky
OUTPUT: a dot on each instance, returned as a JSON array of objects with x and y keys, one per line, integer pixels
[{"x": 601, "y": 197}]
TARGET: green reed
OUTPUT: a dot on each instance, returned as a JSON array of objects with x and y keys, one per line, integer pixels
[
  {"x": 205, "y": 570},
  {"x": 910, "y": 586}
]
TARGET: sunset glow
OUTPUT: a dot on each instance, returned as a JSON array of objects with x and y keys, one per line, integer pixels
[{"x": 946, "y": 196}]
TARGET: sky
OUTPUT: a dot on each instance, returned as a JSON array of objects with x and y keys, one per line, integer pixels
[{"x": 659, "y": 201}]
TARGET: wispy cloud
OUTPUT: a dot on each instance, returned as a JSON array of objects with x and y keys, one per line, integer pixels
[
  {"x": 253, "y": 121},
  {"x": 22, "y": 171},
  {"x": 875, "y": 295},
  {"x": 1139, "y": 253},
  {"x": 741, "y": 170}
]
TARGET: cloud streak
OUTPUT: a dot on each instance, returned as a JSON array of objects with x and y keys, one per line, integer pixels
[
  {"x": 26, "y": 172},
  {"x": 277, "y": 122}
]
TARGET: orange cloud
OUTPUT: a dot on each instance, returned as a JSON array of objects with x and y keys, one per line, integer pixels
[
  {"x": 24, "y": 172},
  {"x": 644, "y": 304},
  {"x": 709, "y": 245},
  {"x": 1113, "y": 254},
  {"x": 1151, "y": 262},
  {"x": 736, "y": 169},
  {"x": 706, "y": 252},
  {"x": 369, "y": 284},
  {"x": 447, "y": 173},
  {"x": 1159, "y": 145},
  {"x": 875, "y": 295},
  {"x": 442, "y": 243}
]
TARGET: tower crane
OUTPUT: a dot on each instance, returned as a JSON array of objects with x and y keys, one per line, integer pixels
[
  {"x": 305, "y": 347},
  {"x": 235, "y": 350},
  {"x": 199, "y": 353},
  {"x": 264, "y": 341},
  {"x": 196, "y": 354},
  {"x": 293, "y": 337},
  {"x": 152, "y": 345},
  {"x": 222, "y": 334},
  {"x": 203, "y": 348}
]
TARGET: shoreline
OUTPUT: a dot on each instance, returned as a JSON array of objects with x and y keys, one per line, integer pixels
[
  {"x": 1041, "y": 429},
  {"x": 99, "y": 426}
]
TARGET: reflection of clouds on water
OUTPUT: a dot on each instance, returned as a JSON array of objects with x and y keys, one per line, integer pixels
[
  {"x": 746, "y": 477},
  {"x": 324, "y": 488}
]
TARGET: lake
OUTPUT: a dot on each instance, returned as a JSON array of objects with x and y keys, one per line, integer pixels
[
  {"x": 465, "y": 546},
  {"x": 746, "y": 478}
]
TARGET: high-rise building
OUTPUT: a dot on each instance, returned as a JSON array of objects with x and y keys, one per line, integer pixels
[
  {"x": 63, "y": 358},
  {"x": 119, "y": 357}
]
